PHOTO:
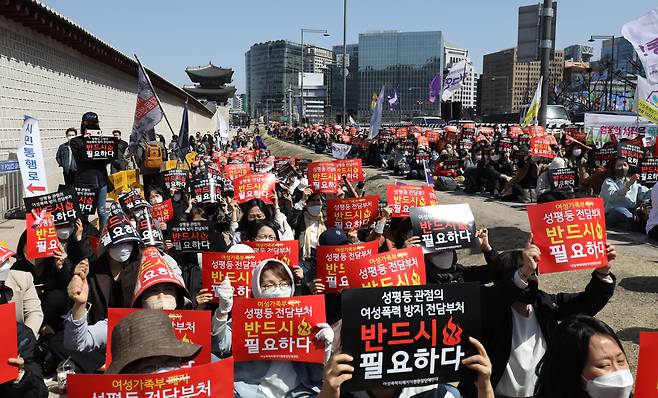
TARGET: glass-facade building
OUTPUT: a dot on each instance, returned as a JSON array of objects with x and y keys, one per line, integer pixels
[
  {"x": 624, "y": 52},
  {"x": 402, "y": 61},
  {"x": 272, "y": 69}
]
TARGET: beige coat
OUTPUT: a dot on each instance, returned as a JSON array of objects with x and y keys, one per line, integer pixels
[{"x": 28, "y": 305}]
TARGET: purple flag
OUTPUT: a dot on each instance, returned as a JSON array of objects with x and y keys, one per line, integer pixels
[{"x": 435, "y": 87}]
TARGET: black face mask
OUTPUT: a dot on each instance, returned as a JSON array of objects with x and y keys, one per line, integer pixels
[{"x": 529, "y": 295}]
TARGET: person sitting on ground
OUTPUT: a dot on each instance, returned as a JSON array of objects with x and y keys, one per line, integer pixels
[
  {"x": 144, "y": 343},
  {"x": 622, "y": 195}
]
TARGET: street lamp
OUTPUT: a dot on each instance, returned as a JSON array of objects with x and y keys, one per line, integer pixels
[
  {"x": 325, "y": 33},
  {"x": 608, "y": 96},
  {"x": 344, "y": 56},
  {"x": 493, "y": 79}
]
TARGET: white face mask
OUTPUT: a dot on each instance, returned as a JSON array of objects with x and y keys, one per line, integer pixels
[
  {"x": 160, "y": 302},
  {"x": 314, "y": 210},
  {"x": 156, "y": 199},
  {"x": 276, "y": 292},
  {"x": 495, "y": 158},
  {"x": 177, "y": 196},
  {"x": 121, "y": 252},
  {"x": 617, "y": 384},
  {"x": 63, "y": 233},
  {"x": 443, "y": 260},
  {"x": 576, "y": 152}
]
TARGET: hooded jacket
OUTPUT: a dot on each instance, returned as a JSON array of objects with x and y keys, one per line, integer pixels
[{"x": 267, "y": 378}]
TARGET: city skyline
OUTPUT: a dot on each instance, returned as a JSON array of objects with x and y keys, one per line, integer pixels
[{"x": 217, "y": 33}]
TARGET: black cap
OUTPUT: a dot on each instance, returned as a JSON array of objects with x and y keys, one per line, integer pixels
[
  {"x": 333, "y": 237},
  {"x": 90, "y": 117}
]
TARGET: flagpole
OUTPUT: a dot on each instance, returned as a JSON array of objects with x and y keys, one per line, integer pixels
[{"x": 148, "y": 79}]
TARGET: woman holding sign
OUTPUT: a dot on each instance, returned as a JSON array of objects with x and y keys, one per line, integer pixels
[
  {"x": 622, "y": 195},
  {"x": 270, "y": 279}
]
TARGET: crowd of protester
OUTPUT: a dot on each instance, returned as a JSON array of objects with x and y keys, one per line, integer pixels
[
  {"x": 498, "y": 160},
  {"x": 533, "y": 343}
]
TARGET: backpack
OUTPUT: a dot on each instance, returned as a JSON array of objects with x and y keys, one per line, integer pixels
[{"x": 152, "y": 157}]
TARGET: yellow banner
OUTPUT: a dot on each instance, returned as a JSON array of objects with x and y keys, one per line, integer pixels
[{"x": 648, "y": 111}]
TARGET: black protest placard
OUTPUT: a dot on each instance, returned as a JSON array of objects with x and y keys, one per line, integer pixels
[
  {"x": 632, "y": 154},
  {"x": 450, "y": 163},
  {"x": 408, "y": 336},
  {"x": 63, "y": 205},
  {"x": 100, "y": 148},
  {"x": 118, "y": 228},
  {"x": 191, "y": 236},
  {"x": 175, "y": 178},
  {"x": 649, "y": 171},
  {"x": 505, "y": 143},
  {"x": 263, "y": 167},
  {"x": 87, "y": 198},
  {"x": 422, "y": 156},
  {"x": 133, "y": 201},
  {"x": 206, "y": 190},
  {"x": 149, "y": 231},
  {"x": 443, "y": 227},
  {"x": 564, "y": 179},
  {"x": 302, "y": 165},
  {"x": 603, "y": 155}
]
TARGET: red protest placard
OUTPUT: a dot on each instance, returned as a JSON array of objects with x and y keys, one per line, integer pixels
[
  {"x": 163, "y": 212},
  {"x": 204, "y": 381},
  {"x": 9, "y": 346},
  {"x": 404, "y": 267},
  {"x": 352, "y": 213},
  {"x": 646, "y": 382},
  {"x": 403, "y": 197},
  {"x": 189, "y": 326},
  {"x": 333, "y": 261},
  {"x": 278, "y": 329},
  {"x": 284, "y": 250},
  {"x": 323, "y": 177},
  {"x": 42, "y": 238},
  {"x": 432, "y": 136},
  {"x": 254, "y": 186},
  {"x": 350, "y": 168},
  {"x": 423, "y": 142},
  {"x": 541, "y": 146},
  {"x": 236, "y": 170},
  {"x": 236, "y": 266},
  {"x": 535, "y": 131},
  {"x": 569, "y": 233}
]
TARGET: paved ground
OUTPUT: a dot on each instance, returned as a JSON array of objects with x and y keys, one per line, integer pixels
[{"x": 633, "y": 308}]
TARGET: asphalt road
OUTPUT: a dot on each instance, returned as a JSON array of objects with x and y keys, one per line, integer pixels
[{"x": 632, "y": 309}]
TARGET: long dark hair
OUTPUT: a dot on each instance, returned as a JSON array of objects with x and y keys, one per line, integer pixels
[
  {"x": 561, "y": 367},
  {"x": 267, "y": 209}
]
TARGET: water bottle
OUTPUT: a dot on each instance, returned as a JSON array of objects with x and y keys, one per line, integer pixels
[{"x": 63, "y": 369}]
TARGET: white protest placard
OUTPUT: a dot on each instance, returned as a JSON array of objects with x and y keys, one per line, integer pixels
[
  {"x": 642, "y": 33},
  {"x": 30, "y": 159}
]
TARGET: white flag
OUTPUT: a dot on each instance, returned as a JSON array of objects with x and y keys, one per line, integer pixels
[
  {"x": 453, "y": 81},
  {"x": 223, "y": 127},
  {"x": 643, "y": 35},
  {"x": 340, "y": 151},
  {"x": 376, "y": 119},
  {"x": 30, "y": 159}
]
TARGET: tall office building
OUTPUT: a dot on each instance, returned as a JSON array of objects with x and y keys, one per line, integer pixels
[
  {"x": 507, "y": 84},
  {"x": 529, "y": 32},
  {"x": 624, "y": 54},
  {"x": 273, "y": 76},
  {"x": 402, "y": 61},
  {"x": 578, "y": 53}
]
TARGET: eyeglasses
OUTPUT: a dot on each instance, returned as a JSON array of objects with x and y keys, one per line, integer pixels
[{"x": 280, "y": 285}]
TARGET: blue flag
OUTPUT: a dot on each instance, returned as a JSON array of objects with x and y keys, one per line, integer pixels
[
  {"x": 184, "y": 136},
  {"x": 376, "y": 119}
]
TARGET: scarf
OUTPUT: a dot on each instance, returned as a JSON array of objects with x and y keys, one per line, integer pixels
[{"x": 305, "y": 238}]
